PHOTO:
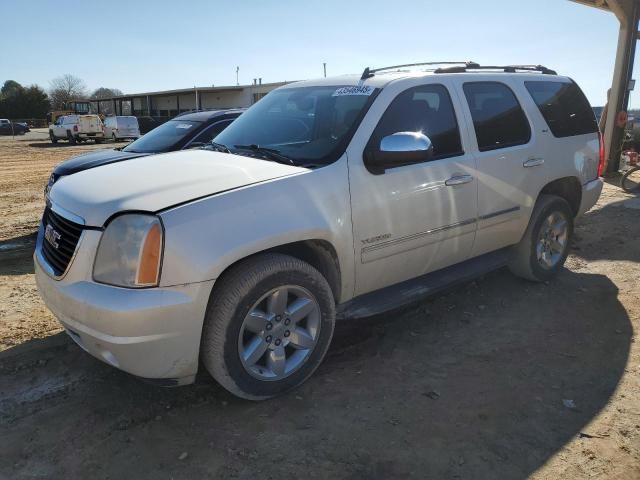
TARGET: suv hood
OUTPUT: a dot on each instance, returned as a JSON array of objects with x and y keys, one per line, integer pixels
[
  {"x": 91, "y": 160},
  {"x": 158, "y": 182}
]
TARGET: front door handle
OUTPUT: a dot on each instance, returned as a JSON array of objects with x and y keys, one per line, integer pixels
[
  {"x": 533, "y": 162},
  {"x": 458, "y": 180}
]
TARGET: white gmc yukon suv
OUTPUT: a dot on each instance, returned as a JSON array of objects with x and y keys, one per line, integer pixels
[{"x": 340, "y": 197}]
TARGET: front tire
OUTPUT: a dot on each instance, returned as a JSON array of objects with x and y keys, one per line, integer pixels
[
  {"x": 268, "y": 326},
  {"x": 545, "y": 245}
]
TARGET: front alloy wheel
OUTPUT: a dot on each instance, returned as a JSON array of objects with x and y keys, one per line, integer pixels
[
  {"x": 279, "y": 333},
  {"x": 268, "y": 325}
]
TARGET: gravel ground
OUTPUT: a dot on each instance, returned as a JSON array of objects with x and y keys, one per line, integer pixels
[{"x": 498, "y": 378}]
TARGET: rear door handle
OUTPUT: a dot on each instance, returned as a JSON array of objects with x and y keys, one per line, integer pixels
[
  {"x": 458, "y": 180},
  {"x": 533, "y": 162}
]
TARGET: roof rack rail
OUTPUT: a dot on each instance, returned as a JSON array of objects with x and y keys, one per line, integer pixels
[
  {"x": 370, "y": 72},
  {"x": 504, "y": 68}
]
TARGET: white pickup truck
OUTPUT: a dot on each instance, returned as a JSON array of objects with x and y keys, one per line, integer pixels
[
  {"x": 340, "y": 197},
  {"x": 77, "y": 128}
]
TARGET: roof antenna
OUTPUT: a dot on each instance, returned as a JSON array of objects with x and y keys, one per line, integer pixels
[{"x": 366, "y": 74}]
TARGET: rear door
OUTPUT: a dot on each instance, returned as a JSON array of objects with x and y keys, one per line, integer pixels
[
  {"x": 128, "y": 127},
  {"x": 506, "y": 146},
  {"x": 417, "y": 218}
]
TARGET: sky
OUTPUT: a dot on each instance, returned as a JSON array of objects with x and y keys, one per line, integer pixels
[{"x": 141, "y": 45}]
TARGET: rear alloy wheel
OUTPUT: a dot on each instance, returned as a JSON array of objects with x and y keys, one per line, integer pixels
[
  {"x": 552, "y": 240},
  {"x": 545, "y": 245},
  {"x": 268, "y": 325}
]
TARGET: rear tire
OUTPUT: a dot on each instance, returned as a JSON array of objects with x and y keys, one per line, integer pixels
[
  {"x": 545, "y": 245},
  {"x": 254, "y": 343},
  {"x": 52, "y": 137}
]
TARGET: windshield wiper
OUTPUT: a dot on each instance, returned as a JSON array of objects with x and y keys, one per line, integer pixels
[
  {"x": 218, "y": 147},
  {"x": 271, "y": 153}
]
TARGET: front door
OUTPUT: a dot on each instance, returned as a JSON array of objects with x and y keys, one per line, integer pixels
[
  {"x": 58, "y": 129},
  {"x": 412, "y": 219}
]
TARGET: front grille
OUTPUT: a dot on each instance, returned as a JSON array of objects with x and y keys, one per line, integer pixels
[{"x": 66, "y": 238}]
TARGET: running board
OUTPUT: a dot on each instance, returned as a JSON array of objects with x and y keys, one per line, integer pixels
[{"x": 411, "y": 291}]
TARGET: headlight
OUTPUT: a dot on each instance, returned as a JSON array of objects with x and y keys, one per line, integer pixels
[
  {"x": 130, "y": 252},
  {"x": 52, "y": 179}
]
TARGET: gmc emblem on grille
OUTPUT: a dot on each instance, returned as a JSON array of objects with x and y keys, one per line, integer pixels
[{"x": 52, "y": 236}]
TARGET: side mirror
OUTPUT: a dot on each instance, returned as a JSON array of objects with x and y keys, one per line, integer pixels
[{"x": 401, "y": 148}]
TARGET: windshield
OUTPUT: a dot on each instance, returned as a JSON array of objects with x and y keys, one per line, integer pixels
[
  {"x": 164, "y": 137},
  {"x": 310, "y": 125}
]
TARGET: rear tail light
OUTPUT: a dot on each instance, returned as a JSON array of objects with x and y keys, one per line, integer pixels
[
  {"x": 75, "y": 128},
  {"x": 601, "y": 159}
]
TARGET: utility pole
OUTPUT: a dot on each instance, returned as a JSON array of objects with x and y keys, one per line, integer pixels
[
  {"x": 237, "y": 77},
  {"x": 324, "y": 66}
]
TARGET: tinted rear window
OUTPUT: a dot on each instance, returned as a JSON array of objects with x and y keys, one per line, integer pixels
[
  {"x": 564, "y": 107},
  {"x": 497, "y": 117}
]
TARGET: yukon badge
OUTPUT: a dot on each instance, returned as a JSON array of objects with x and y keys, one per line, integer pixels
[{"x": 52, "y": 236}]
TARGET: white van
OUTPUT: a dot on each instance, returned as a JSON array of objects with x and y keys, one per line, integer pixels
[{"x": 119, "y": 128}]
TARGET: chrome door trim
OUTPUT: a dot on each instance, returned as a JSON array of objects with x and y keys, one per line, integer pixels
[
  {"x": 499, "y": 212},
  {"x": 415, "y": 236}
]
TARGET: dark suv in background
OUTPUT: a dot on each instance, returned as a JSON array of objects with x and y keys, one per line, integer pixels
[{"x": 188, "y": 130}]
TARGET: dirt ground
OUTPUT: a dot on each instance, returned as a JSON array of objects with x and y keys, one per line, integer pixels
[{"x": 498, "y": 378}]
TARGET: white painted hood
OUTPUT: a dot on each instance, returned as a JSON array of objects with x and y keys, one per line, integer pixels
[{"x": 159, "y": 181}]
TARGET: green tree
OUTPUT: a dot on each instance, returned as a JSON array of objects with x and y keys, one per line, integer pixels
[
  {"x": 17, "y": 101},
  {"x": 9, "y": 87}
]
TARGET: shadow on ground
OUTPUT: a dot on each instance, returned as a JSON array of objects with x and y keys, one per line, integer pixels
[
  {"x": 469, "y": 384},
  {"x": 604, "y": 234},
  {"x": 61, "y": 143},
  {"x": 16, "y": 255}
]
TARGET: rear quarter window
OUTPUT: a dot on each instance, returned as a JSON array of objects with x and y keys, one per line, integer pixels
[{"x": 564, "y": 107}]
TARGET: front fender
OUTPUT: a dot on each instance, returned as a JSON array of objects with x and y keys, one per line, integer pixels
[{"x": 205, "y": 237}]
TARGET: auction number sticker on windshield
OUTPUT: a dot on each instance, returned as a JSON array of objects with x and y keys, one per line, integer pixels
[
  {"x": 183, "y": 125},
  {"x": 355, "y": 90}
]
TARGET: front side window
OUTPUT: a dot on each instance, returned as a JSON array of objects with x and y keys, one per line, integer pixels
[
  {"x": 498, "y": 119},
  {"x": 564, "y": 107},
  {"x": 427, "y": 109},
  {"x": 210, "y": 133},
  {"x": 163, "y": 138},
  {"x": 310, "y": 125}
]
